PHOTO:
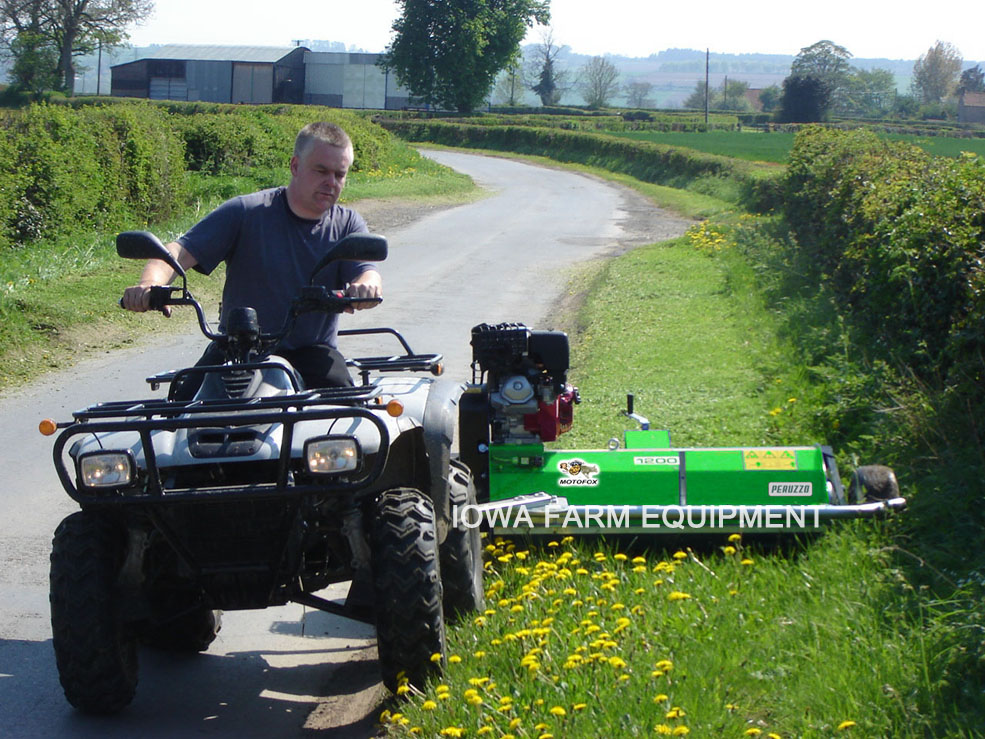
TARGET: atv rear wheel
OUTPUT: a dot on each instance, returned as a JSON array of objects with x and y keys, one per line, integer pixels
[
  {"x": 193, "y": 631},
  {"x": 95, "y": 651},
  {"x": 461, "y": 551},
  {"x": 872, "y": 483},
  {"x": 410, "y": 625}
]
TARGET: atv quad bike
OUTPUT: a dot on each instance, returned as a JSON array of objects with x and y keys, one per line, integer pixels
[
  {"x": 256, "y": 492},
  {"x": 519, "y": 399}
]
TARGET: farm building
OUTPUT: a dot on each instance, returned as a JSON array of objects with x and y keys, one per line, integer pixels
[
  {"x": 258, "y": 74},
  {"x": 971, "y": 107},
  {"x": 218, "y": 74}
]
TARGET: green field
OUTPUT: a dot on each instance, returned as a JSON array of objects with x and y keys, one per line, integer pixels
[{"x": 758, "y": 146}]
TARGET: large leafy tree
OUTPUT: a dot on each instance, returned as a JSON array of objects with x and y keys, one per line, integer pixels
[
  {"x": 448, "y": 52},
  {"x": 73, "y": 27},
  {"x": 827, "y": 62},
  {"x": 599, "y": 81},
  {"x": 936, "y": 72}
]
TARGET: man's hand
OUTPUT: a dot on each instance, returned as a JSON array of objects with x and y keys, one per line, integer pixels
[
  {"x": 367, "y": 285},
  {"x": 137, "y": 299},
  {"x": 156, "y": 272}
]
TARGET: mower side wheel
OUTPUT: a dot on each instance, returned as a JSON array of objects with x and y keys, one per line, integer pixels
[
  {"x": 410, "y": 625},
  {"x": 461, "y": 551},
  {"x": 95, "y": 651},
  {"x": 872, "y": 483},
  {"x": 193, "y": 631}
]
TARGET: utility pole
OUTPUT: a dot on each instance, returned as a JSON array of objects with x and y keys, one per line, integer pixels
[
  {"x": 707, "y": 85},
  {"x": 99, "y": 70}
]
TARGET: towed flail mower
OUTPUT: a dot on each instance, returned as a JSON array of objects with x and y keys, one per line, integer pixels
[{"x": 520, "y": 400}]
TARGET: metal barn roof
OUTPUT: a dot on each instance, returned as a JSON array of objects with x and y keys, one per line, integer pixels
[{"x": 221, "y": 53}]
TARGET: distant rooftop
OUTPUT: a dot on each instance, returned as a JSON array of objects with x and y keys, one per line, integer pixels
[{"x": 221, "y": 53}]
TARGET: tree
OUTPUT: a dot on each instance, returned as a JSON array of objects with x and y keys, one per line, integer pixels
[
  {"x": 730, "y": 96},
  {"x": 867, "y": 93},
  {"x": 936, "y": 72},
  {"x": 638, "y": 94},
  {"x": 769, "y": 98},
  {"x": 827, "y": 62},
  {"x": 35, "y": 67},
  {"x": 73, "y": 27},
  {"x": 599, "y": 82},
  {"x": 449, "y": 53},
  {"x": 509, "y": 84},
  {"x": 551, "y": 79},
  {"x": 806, "y": 99},
  {"x": 972, "y": 80}
]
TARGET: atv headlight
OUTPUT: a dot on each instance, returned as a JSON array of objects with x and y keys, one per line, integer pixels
[
  {"x": 106, "y": 469},
  {"x": 332, "y": 455}
]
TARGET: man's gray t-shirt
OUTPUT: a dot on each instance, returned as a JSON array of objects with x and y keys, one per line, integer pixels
[{"x": 269, "y": 253}]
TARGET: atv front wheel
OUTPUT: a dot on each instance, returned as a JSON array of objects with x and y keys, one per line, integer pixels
[
  {"x": 95, "y": 651},
  {"x": 461, "y": 551},
  {"x": 410, "y": 626}
]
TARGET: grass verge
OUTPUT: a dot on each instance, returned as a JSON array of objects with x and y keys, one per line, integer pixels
[{"x": 817, "y": 637}]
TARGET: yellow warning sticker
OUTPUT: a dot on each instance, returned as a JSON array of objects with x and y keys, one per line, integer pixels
[{"x": 769, "y": 459}]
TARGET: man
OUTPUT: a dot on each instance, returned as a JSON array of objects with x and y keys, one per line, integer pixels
[{"x": 270, "y": 241}]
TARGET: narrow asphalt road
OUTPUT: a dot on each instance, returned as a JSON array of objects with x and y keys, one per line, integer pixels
[{"x": 506, "y": 257}]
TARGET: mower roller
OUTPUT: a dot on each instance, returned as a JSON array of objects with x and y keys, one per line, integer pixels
[{"x": 519, "y": 401}]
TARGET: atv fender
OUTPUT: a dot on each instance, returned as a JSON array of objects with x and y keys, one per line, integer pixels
[{"x": 440, "y": 418}]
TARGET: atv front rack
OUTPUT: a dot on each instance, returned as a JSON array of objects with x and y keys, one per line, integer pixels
[{"x": 147, "y": 417}]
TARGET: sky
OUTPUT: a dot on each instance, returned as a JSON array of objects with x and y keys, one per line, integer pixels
[{"x": 867, "y": 28}]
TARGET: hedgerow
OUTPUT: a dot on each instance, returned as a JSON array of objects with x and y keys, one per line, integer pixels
[
  {"x": 72, "y": 167},
  {"x": 672, "y": 166},
  {"x": 902, "y": 236}
]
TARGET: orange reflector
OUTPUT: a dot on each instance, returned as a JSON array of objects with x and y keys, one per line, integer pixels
[
  {"x": 438, "y": 369},
  {"x": 395, "y": 408},
  {"x": 47, "y": 427}
]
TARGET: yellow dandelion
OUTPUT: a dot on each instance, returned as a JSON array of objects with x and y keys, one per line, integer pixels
[
  {"x": 403, "y": 689},
  {"x": 675, "y": 712},
  {"x": 681, "y": 731},
  {"x": 484, "y": 730},
  {"x": 747, "y": 562},
  {"x": 428, "y": 705},
  {"x": 729, "y": 550},
  {"x": 541, "y": 726},
  {"x": 579, "y": 706},
  {"x": 660, "y": 697},
  {"x": 663, "y": 729},
  {"x": 558, "y": 711},
  {"x": 665, "y": 665},
  {"x": 679, "y": 555},
  {"x": 845, "y": 725},
  {"x": 515, "y": 724},
  {"x": 479, "y": 654},
  {"x": 678, "y": 595},
  {"x": 773, "y": 735},
  {"x": 454, "y": 659},
  {"x": 436, "y": 657},
  {"x": 733, "y": 538},
  {"x": 452, "y": 731},
  {"x": 752, "y": 732}
]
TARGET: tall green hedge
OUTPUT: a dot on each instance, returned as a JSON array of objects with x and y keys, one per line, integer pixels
[
  {"x": 67, "y": 167},
  {"x": 902, "y": 235}
]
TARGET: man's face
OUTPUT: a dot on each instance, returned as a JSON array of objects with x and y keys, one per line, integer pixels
[{"x": 317, "y": 178}]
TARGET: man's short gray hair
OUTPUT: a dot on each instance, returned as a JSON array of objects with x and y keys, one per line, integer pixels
[{"x": 329, "y": 133}]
